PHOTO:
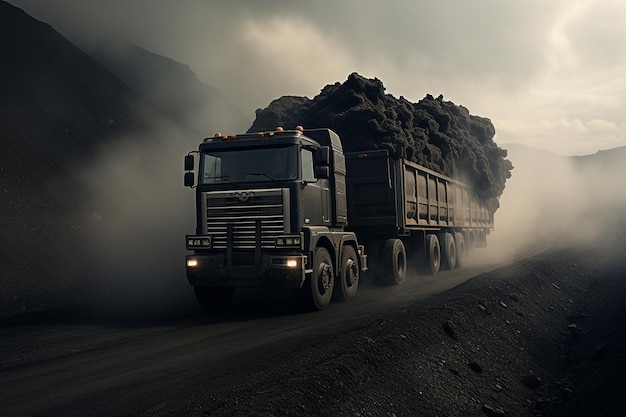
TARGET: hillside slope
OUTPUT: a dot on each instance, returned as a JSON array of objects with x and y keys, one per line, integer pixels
[{"x": 60, "y": 112}]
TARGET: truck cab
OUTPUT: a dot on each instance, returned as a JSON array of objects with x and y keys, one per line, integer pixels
[{"x": 271, "y": 211}]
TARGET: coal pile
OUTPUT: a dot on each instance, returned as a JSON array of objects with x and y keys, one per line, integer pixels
[{"x": 434, "y": 133}]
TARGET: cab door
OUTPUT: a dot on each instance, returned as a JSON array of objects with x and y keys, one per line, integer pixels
[{"x": 315, "y": 194}]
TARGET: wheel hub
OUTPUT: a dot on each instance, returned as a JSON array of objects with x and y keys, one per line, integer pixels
[
  {"x": 352, "y": 273},
  {"x": 325, "y": 280}
]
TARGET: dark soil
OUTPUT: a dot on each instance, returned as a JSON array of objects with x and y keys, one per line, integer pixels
[{"x": 543, "y": 337}]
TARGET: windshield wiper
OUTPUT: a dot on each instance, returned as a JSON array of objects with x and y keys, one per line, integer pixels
[{"x": 257, "y": 174}]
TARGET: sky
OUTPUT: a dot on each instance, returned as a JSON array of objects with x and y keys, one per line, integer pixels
[{"x": 550, "y": 74}]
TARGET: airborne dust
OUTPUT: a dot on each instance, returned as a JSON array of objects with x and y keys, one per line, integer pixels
[{"x": 141, "y": 211}]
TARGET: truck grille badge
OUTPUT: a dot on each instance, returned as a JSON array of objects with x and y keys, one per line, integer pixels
[{"x": 244, "y": 195}]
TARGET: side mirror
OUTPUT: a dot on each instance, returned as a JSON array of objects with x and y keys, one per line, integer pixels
[
  {"x": 189, "y": 163},
  {"x": 189, "y": 179},
  {"x": 323, "y": 156},
  {"x": 322, "y": 172}
]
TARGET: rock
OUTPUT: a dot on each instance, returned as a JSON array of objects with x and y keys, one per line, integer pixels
[
  {"x": 450, "y": 329},
  {"x": 492, "y": 411},
  {"x": 532, "y": 381},
  {"x": 474, "y": 366},
  {"x": 484, "y": 309}
]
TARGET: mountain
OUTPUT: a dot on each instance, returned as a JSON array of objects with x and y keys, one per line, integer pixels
[
  {"x": 173, "y": 88},
  {"x": 86, "y": 162},
  {"x": 57, "y": 105}
]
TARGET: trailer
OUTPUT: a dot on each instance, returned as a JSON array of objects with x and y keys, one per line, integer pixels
[{"x": 410, "y": 217}]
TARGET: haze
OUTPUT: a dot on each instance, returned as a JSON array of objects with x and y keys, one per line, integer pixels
[{"x": 548, "y": 74}]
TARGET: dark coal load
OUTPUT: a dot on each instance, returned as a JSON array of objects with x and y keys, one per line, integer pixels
[{"x": 434, "y": 133}]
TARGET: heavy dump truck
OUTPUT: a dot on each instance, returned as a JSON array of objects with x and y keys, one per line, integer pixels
[{"x": 288, "y": 209}]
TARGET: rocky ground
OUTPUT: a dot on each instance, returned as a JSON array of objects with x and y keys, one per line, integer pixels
[{"x": 543, "y": 337}]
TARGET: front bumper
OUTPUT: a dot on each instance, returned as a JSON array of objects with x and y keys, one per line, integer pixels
[{"x": 273, "y": 271}]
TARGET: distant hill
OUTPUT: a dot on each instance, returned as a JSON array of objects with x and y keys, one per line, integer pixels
[
  {"x": 610, "y": 159},
  {"x": 174, "y": 88},
  {"x": 552, "y": 197}
]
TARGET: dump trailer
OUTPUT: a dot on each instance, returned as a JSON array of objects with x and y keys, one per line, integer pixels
[
  {"x": 410, "y": 217},
  {"x": 271, "y": 212}
]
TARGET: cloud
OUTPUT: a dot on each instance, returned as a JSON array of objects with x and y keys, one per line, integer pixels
[{"x": 531, "y": 65}]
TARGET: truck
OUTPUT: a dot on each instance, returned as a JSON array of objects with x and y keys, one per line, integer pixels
[{"x": 290, "y": 209}]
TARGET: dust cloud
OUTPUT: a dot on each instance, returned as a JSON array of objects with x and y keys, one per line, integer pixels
[
  {"x": 557, "y": 201},
  {"x": 138, "y": 213}
]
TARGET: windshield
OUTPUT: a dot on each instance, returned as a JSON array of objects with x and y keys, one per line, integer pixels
[{"x": 249, "y": 165}]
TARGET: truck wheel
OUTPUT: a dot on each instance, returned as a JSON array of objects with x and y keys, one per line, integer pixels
[
  {"x": 321, "y": 281},
  {"x": 461, "y": 249},
  {"x": 214, "y": 298},
  {"x": 433, "y": 253},
  {"x": 448, "y": 250},
  {"x": 348, "y": 279},
  {"x": 393, "y": 259}
]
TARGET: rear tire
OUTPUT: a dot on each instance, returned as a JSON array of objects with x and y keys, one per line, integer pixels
[
  {"x": 433, "y": 254},
  {"x": 448, "y": 254},
  {"x": 214, "y": 299},
  {"x": 348, "y": 279},
  {"x": 393, "y": 259},
  {"x": 461, "y": 249}
]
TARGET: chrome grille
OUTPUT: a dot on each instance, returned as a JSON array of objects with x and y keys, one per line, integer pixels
[{"x": 241, "y": 212}]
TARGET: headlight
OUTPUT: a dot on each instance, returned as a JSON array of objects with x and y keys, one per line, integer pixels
[
  {"x": 286, "y": 262},
  {"x": 192, "y": 263}
]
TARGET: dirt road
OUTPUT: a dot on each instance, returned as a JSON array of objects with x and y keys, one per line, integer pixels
[
  {"x": 80, "y": 362},
  {"x": 540, "y": 337}
]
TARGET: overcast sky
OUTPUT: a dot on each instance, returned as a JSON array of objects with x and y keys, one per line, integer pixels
[{"x": 548, "y": 73}]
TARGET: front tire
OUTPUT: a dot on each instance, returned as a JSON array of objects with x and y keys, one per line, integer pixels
[
  {"x": 321, "y": 282},
  {"x": 349, "y": 277}
]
